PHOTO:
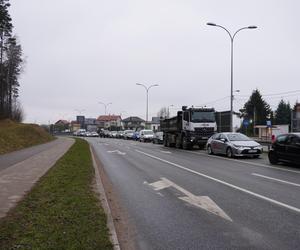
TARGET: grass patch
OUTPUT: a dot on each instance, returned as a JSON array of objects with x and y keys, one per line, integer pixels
[
  {"x": 61, "y": 211},
  {"x": 15, "y": 136}
]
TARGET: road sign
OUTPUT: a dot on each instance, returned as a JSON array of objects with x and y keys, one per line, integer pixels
[
  {"x": 246, "y": 123},
  {"x": 269, "y": 123}
]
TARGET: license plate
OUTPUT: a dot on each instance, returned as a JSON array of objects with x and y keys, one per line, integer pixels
[{"x": 252, "y": 151}]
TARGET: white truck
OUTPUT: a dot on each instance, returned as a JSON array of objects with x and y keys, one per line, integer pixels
[{"x": 192, "y": 126}]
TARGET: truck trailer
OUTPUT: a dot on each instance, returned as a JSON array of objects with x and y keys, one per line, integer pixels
[{"x": 192, "y": 126}]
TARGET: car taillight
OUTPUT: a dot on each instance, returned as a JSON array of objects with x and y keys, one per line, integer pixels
[{"x": 273, "y": 138}]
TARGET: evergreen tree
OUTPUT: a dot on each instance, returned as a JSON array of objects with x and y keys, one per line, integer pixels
[
  {"x": 11, "y": 63},
  {"x": 283, "y": 113},
  {"x": 256, "y": 109},
  {"x": 5, "y": 34}
]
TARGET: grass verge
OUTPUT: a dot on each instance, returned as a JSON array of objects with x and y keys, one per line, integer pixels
[
  {"x": 61, "y": 211},
  {"x": 15, "y": 136}
]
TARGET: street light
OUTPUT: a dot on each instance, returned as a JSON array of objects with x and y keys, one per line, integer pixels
[
  {"x": 147, "y": 91},
  {"x": 105, "y": 105},
  {"x": 231, "y": 75}
]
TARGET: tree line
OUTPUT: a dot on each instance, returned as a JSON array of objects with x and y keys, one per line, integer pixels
[
  {"x": 258, "y": 111},
  {"x": 11, "y": 63}
]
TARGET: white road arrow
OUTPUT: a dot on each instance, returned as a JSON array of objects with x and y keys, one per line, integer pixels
[
  {"x": 116, "y": 151},
  {"x": 203, "y": 202}
]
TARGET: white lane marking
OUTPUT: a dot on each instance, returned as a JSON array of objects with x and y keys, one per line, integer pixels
[
  {"x": 271, "y": 178},
  {"x": 106, "y": 144},
  {"x": 203, "y": 202},
  {"x": 165, "y": 152},
  {"x": 223, "y": 182},
  {"x": 116, "y": 151},
  {"x": 246, "y": 162},
  {"x": 159, "y": 185}
]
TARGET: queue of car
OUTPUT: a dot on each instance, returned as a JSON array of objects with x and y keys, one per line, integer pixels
[
  {"x": 285, "y": 148},
  {"x": 83, "y": 132}
]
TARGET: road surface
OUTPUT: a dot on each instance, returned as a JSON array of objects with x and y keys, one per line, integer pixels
[{"x": 180, "y": 199}]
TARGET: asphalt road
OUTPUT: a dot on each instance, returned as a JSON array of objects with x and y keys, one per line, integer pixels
[{"x": 180, "y": 199}]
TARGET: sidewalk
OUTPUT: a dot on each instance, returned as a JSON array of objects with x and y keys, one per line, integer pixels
[{"x": 17, "y": 179}]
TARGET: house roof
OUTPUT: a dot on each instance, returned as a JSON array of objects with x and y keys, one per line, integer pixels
[
  {"x": 108, "y": 118},
  {"x": 133, "y": 119},
  {"x": 65, "y": 122}
]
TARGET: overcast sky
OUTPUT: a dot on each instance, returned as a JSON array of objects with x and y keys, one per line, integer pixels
[{"x": 81, "y": 52}]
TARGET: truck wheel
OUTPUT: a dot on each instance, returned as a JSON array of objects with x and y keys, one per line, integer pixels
[
  {"x": 168, "y": 143},
  {"x": 185, "y": 144},
  {"x": 165, "y": 142},
  {"x": 178, "y": 143}
]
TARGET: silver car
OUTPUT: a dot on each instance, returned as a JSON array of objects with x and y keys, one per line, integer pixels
[{"x": 233, "y": 144}]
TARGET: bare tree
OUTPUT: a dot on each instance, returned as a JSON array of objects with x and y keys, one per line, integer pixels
[{"x": 163, "y": 112}]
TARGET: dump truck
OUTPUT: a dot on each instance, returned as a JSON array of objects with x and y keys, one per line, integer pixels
[{"x": 192, "y": 126}]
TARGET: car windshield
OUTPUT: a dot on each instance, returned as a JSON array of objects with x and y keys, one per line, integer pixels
[
  {"x": 203, "y": 116},
  {"x": 238, "y": 137},
  {"x": 148, "y": 132}
]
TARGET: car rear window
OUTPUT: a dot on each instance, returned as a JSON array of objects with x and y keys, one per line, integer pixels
[{"x": 281, "y": 138}]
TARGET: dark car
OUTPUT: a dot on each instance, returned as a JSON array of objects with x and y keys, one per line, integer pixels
[
  {"x": 285, "y": 148},
  {"x": 233, "y": 144}
]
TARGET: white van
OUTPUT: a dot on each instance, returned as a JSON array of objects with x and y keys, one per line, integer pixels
[{"x": 146, "y": 135}]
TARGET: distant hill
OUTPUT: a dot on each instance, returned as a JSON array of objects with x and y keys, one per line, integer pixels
[{"x": 15, "y": 136}]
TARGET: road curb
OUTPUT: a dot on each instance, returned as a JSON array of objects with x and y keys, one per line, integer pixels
[{"x": 105, "y": 205}]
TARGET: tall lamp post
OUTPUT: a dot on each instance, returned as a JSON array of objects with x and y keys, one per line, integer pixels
[
  {"x": 231, "y": 74},
  {"x": 147, "y": 93},
  {"x": 105, "y": 105}
]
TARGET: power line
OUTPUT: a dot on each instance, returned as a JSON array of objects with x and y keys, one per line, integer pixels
[
  {"x": 275, "y": 94},
  {"x": 211, "y": 102}
]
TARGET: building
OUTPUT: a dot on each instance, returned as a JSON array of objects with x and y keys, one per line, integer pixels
[
  {"x": 61, "y": 125},
  {"x": 90, "y": 124},
  {"x": 109, "y": 122},
  {"x": 75, "y": 126},
  {"x": 155, "y": 124},
  {"x": 80, "y": 120},
  {"x": 266, "y": 133},
  {"x": 295, "y": 123},
  {"x": 134, "y": 123}
]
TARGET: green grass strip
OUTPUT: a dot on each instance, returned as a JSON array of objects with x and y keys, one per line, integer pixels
[{"x": 61, "y": 211}]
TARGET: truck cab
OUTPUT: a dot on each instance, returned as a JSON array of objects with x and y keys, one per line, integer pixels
[
  {"x": 198, "y": 124},
  {"x": 192, "y": 126}
]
